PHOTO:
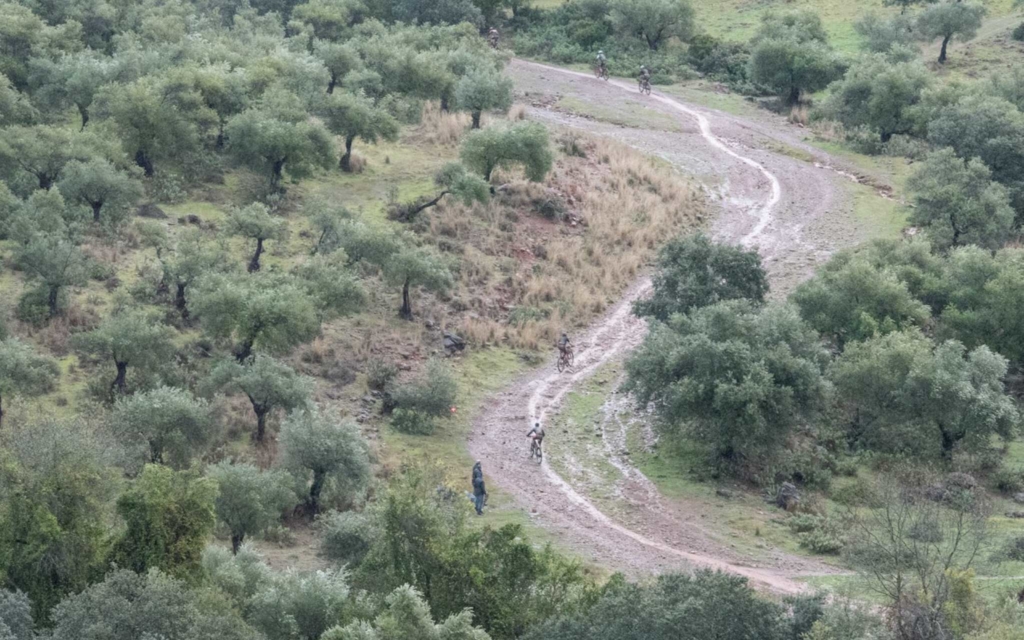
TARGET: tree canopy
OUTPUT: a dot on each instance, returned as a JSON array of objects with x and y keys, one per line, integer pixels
[
  {"x": 949, "y": 19},
  {"x": 24, "y": 372},
  {"x": 249, "y": 500},
  {"x": 320, "y": 450},
  {"x": 693, "y": 271},
  {"x": 653, "y": 21},
  {"x": 524, "y": 144},
  {"x": 268, "y": 384}
]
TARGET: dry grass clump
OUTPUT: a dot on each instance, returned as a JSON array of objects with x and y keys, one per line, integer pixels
[
  {"x": 543, "y": 258},
  {"x": 517, "y": 112},
  {"x": 440, "y": 127}
]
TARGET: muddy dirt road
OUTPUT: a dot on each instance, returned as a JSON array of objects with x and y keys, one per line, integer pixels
[{"x": 795, "y": 213}]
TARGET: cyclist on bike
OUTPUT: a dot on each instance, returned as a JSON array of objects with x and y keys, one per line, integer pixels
[
  {"x": 537, "y": 433},
  {"x": 564, "y": 345},
  {"x": 602, "y": 62},
  {"x": 492, "y": 37},
  {"x": 645, "y": 75}
]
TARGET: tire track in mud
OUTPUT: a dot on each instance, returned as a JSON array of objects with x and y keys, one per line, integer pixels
[{"x": 655, "y": 543}]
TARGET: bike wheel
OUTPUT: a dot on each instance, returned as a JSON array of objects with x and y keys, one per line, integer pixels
[
  {"x": 571, "y": 358},
  {"x": 561, "y": 364}
]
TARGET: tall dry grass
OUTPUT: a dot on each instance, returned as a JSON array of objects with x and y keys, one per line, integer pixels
[
  {"x": 440, "y": 127},
  {"x": 616, "y": 207}
]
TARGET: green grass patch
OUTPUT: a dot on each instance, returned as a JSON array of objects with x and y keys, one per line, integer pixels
[{"x": 634, "y": 117}]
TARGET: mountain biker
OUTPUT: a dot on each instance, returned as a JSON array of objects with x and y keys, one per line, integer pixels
[
  {"x": 479, "y": 489},
  {"x": 537, "y": 433},
  {"x": 645, "y": 74},
  {"x": 601, "y": 62},
  {"x": 492, "y": 37},
  {"x": 564, "y": 344}
]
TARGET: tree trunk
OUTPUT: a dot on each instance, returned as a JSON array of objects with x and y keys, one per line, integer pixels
[
  {"x": 476, "y": 119},
  {"x": 942, "y": 52},
  {"x": 261, "y": 420},
  {"x": 52, "y": 299},
  {"x": 794, "y": 95},
  {"x": 96, "y": 206},
  {"x": 254, "y": 264},
  {"x": 45, "y": 181},
  {"x": 314, "y": 492},
  {"x": 144, "y": 161},
  {"x": 444, "y": 102},
  {"x": 278, "y": 174},
  {"x": 243, "y": 351},
  {"x": 179, "y": 301},
  {"x": 948, "y": 442},
  {"x": 406, "y": 310},
  {"x": 1, "y": 411},
  {"x": 119, "y": 382},
  {"x": 346, "y": 159},
  {"x": 219, "y": 143},
  {"x": 84, "y": 113},
  {"x": 333, "y": 83},
  {"x": 487, "y": 174},
  {"x": 236, "y": 542}
]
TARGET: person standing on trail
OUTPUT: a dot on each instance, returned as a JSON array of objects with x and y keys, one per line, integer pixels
[{"x": 479, "y": 490}]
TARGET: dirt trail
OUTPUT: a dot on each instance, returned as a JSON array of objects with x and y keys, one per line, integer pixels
[{"x": 791, "y": 210}]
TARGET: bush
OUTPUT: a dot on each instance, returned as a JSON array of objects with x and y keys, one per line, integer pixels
[
  {"x": 1018, "y": 33},
  {"x": 412, "y": 422},
  {"x": 380, "y": 374},
  {"x": 33, "y": 307},
  {"x": 432, "y": 394},
  {"x": 347, "y": 537},
  {"x": 1015, "y": 550},
  {"x": 855, "y": 493},
  {"x": 819, "y": 534},
  {"x": 1008, "y": 481}
]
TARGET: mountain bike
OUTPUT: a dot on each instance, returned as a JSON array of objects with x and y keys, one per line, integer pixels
[
  {"x": 645, "y": 86},
  {"x": 535, "y": 450},
  {"x": 601, "y": 72},
  {"x": 565, "y": 359}
]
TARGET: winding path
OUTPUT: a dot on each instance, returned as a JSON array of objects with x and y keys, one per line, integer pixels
[{"x": 752, "y": 183}]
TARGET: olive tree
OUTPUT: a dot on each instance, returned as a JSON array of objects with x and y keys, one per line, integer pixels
[
  {"x": 791, "y": 67},
  {"x": 255, "y": 222},
  {"x": 249, "y": 500},
  {"x": 15, "y": 107},
  {"x": 851, "y": 298},
  {"x": 351, "y": 116},
  {"x": 130, "y": 606},
  {"x": 192, "y": 258},
  {"x": 23, "y": 372},
  {"x": 270, "y": 140},
  {"x": 407, "y": 614},
  {"x": 129, "y": 338},
  {"x": 878, "y": 95},
  {"x": 735, "y": 378},
  {"x": 958, "y": 203},
  {"x": 417, "y": 267},
  {"x": 653, "y": 21},
  {"x": 97, "y": 184},
  {"x": 319, "y": 449},
  {"x": 163, "y": 426},
  {"x": 328, "y": 19},
  {"x": 269, "y": 385},
  {"x": 906, "y": 395},
  {"x": 454, "y": 180},
  {"x": 265, "y": 312},
  {"x": 16, "y": 616},
  {"x": 693, "y": 271},
  {"x": 893, "y": 36},
  {"x": 524, "y": 144},
  {"x": 151, "y": 124},
  {"x": 300, "y": 605},
  {"x": 57, "y": 264},
  {"x": 950, "y": 19},
  {"x": 71, "y": 80},
  {"x": 41, "y": 152},
  {"x": 339, "y": 58},
  {"x": 483, "y": 89},
  {"x": 333, "y": 287}
]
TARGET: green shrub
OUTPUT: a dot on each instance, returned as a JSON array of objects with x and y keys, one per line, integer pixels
[
  {"x": 412, "y": 422},
  {"x": 33, "y": 307},
  {"x": 854, "y": 493},
  {"x": 819, "y": 534},
  {"x": 379, "y": 374},
  {"x": 1018, "y": 33},
  {"x": 1015, "y": 550},
  {"x": 431, "y": 394},
  {"x": 1008, "y": 481},
  {"x": 347, "y": 537}
]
